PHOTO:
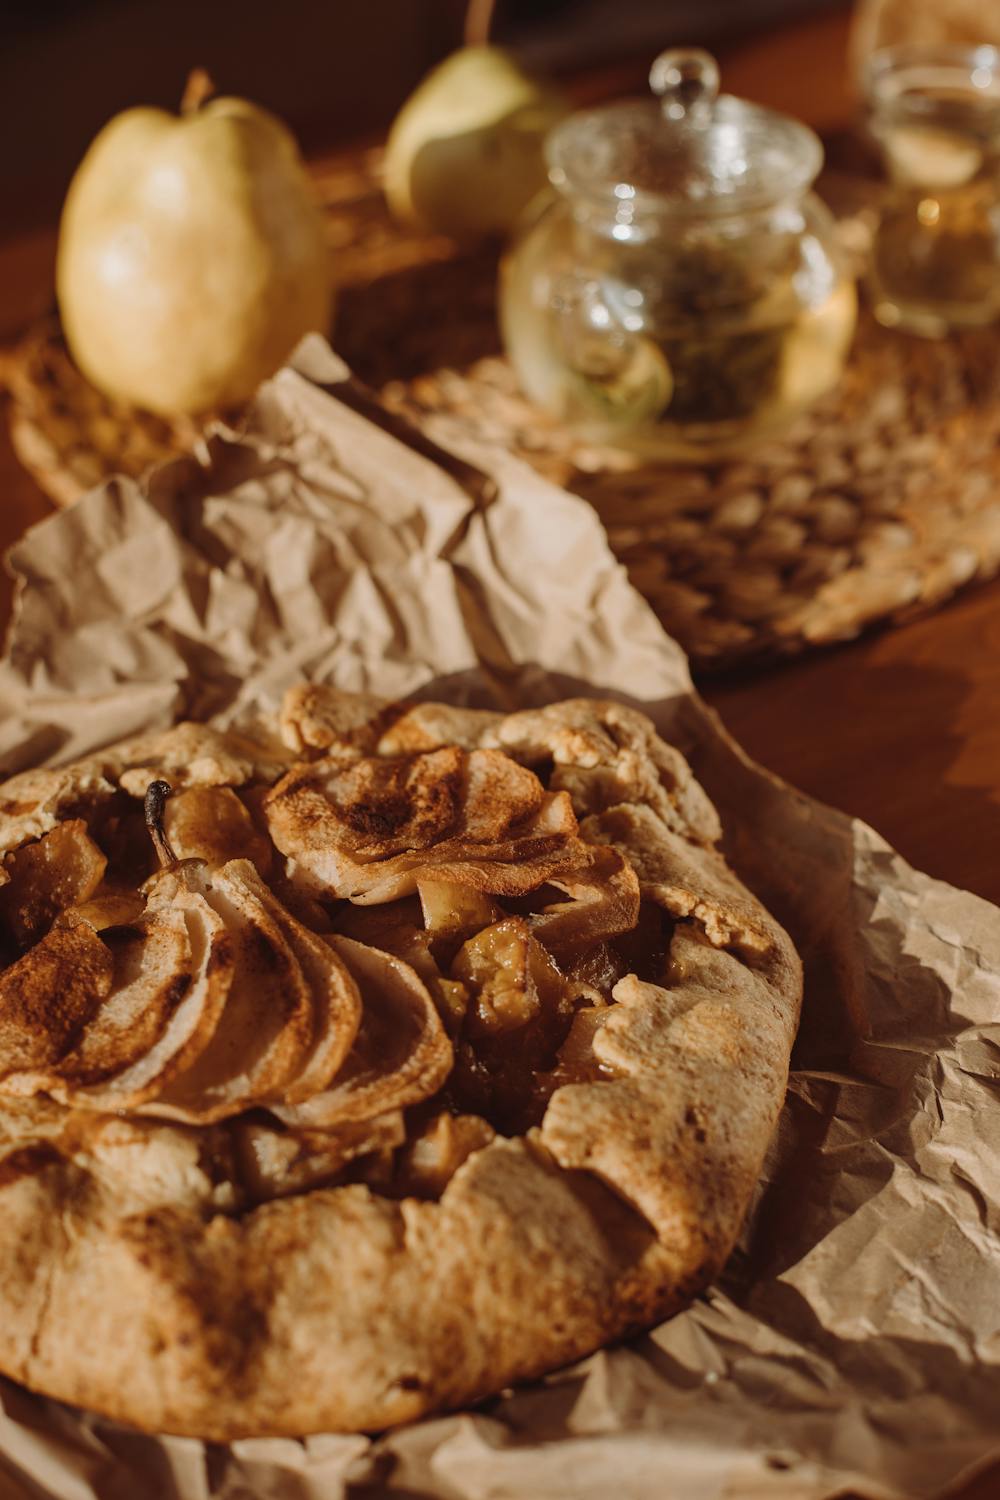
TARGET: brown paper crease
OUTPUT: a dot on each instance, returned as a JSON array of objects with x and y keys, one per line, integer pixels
[{"x": 853, "y": 1346}]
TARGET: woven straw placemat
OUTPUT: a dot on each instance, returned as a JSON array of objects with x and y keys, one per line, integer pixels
[{"x": 882, "y": 501}]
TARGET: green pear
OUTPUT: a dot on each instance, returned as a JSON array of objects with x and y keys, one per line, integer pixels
[
  {"x": 464, "y": 155},
  {"x": 192, "y": 256}
]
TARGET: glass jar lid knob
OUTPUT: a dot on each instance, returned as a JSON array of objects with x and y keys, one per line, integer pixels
[{"x": 686, "y": 79}]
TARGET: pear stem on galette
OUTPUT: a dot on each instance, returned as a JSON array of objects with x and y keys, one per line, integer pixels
[{"x": 155, "y": 801}]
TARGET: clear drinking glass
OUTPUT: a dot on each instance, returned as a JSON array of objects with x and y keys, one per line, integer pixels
[
  {"x": 935, "y": 115},
  {"x": 680, "y": 292}
]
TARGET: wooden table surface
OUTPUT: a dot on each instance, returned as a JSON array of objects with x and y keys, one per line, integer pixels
[{"x": 902, "y": 728}]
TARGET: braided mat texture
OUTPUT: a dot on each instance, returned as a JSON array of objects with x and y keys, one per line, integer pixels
[{"x": 882, "y": 501}]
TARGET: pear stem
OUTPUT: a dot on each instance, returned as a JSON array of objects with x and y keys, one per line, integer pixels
[
  {"x": 479, "y": 22},
  {"x": 197, "y": 91},
  {"x": 155, "y": 801}
]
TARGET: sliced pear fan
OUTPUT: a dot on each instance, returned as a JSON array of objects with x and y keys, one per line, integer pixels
[
  {"x": 213, "y": 1000},
  {"x": 380, "y": 806},
  {"x": 369, "y": 831},
  {"x": 337, "y": 1003},
  {"x": 401, "y": 1054},
  {"x": 171, "y": 971},
  {"x": 293, "y": 1008}
]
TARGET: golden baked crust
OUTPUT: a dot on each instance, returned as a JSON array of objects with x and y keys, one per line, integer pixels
[{"x": 471, "y": 1072}]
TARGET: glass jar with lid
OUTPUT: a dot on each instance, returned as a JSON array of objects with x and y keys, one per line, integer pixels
[
  {"x": 934, "y": 112},
  {"x": 681, "y": 291}
]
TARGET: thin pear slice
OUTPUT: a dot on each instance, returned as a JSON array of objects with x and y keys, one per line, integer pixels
[
  {"x": 112, "y": 906},
  {"x": 366, "y": 831},
  {"x": 396, "y": 927},
  {"x": 604, "y": 904},
  {"x": 379, "y": 806},
  {"x": 512, "y": 868},
  {"x": 46, "y": 999},
  {"x": 290, "y": 1015},
  {"x": 211, "y": 823},
  {"x": 337, "y": 1005},
  {"x": 401, "y": 1054},
  {"x": 266, "y": 1029},
  {"x": 172, "y": 972},
  {"x": 452, "y": 911},
  {"x": 477, "y": 818}
]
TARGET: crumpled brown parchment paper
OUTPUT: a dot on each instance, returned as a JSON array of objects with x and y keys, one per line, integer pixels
[{"x": 853, "y": 1347}]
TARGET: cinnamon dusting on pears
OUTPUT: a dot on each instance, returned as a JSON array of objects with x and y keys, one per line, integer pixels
[{"x": 441, "y": 937}]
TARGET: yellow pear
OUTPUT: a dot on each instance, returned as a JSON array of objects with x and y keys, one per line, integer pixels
[
  {"x": 464, "y": 155},
  {"x": 192, "y": 256}
]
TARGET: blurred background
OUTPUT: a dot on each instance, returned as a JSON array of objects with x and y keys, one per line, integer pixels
[{"x": 335, "y": 72}]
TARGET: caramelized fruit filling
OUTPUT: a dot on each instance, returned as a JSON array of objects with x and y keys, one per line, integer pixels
[
  {"x": 521, "y": 1020},
  {"x": 60, "y": 870},
  {"x": 514, "y": 986}
]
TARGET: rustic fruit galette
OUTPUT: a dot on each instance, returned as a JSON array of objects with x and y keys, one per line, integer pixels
[{"x": 362, "y": 1072}]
